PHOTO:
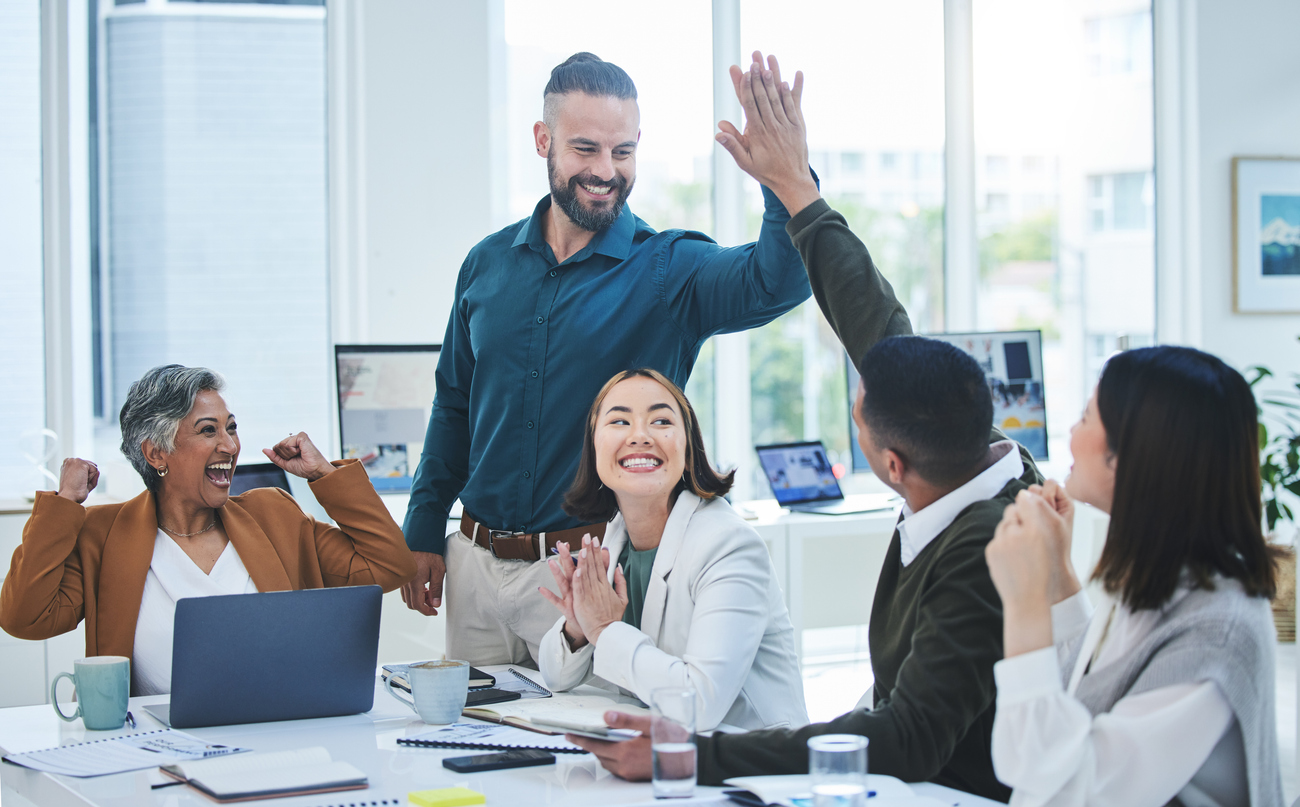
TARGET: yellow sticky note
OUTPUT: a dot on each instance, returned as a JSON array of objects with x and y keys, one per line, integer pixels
[{"x": 446, "y": 797}]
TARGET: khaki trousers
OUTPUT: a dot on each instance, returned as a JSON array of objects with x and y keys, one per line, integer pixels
[{"x": 495, "y": 614}]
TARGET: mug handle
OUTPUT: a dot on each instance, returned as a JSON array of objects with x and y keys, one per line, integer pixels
[
  {"x": 54, "y": 700},
  {"x": 388, "y": 685}
]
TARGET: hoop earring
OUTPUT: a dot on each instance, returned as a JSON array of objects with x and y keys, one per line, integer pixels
[{"x": 162, "y": 471}]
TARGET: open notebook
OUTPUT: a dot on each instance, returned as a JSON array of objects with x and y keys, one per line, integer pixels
[{"x": 554, "y": 715}]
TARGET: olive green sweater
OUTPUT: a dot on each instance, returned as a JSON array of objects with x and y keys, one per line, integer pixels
[{"x": 936, "y": 624}]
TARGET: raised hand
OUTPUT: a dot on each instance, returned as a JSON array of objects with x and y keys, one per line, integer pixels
[
  {"x": 562, "y": 567},
  {"x": 596, "y": 604},
  {"x": 774, "y": 145},
  {"x": 77, "y": 478},
  {"x": 297, "y": 455}
]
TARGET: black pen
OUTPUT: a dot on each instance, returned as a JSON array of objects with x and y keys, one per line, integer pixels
[
  {"x": 166, "y": 784},
  {"x": 130, "y": 721}
]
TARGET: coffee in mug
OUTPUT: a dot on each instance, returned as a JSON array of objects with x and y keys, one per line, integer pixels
[
  {"x": 438, "y": 689},
  {"x": 102, "y": 686}
]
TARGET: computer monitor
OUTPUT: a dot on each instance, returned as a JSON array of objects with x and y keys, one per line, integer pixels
[
  {"x": 385, "y": 398},
  {"x": 1013, "y": 365}
]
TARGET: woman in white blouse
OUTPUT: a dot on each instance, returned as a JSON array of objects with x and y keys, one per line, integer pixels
[
  {"x": 1165, "y": 695},
  {"x": 683, "y": 592},
  {"x": 122, "y": 567}
]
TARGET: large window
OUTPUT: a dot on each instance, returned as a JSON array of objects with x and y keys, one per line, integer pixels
[
  {"x": 213, "y": 164},
  {"x": 874, "y": 105},
  {"x": 1064, "y": 195},
  {"x": 22, "y": 406}
]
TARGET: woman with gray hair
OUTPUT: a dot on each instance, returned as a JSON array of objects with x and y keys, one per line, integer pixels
[{"x": 121, "y": 567}]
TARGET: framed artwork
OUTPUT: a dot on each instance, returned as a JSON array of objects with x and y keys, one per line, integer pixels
[{"x": 1266, "y": 235}]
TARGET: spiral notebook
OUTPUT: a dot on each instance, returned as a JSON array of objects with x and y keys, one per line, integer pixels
[
  {"x": 119, "y": 754},
  {"x": 502, "y": 738}
]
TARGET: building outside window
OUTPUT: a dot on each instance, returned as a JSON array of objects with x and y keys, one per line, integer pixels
[
  {"x": 1067, "y": 153},
  {"x": 213, "y": 225}
]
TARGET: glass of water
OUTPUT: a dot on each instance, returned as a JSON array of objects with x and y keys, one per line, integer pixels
[
  {"x": 838, "y": 765},
  {"x": 672, "y": 724}
]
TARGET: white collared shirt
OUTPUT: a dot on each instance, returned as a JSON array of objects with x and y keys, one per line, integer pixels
[
  {"x": 1175, "y": 740},
  {"x": 917, "y": 529}
]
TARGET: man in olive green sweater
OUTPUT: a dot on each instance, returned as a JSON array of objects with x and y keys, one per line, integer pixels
[{"x": 924, "y": 415}]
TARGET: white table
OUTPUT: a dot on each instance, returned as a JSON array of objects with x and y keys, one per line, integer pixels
[{"x": 368, "y": 741}]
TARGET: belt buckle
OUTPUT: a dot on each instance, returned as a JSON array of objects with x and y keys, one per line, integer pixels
[{"x": 494, "y": 534}]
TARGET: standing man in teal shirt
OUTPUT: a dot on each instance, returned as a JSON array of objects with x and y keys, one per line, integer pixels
[{"x": 545, "y": 311}]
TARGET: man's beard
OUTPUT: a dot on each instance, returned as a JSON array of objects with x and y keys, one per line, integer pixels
[{"x": 566, "y": 196}]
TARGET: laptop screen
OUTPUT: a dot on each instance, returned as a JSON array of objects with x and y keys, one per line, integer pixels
[{"x": 799, "y": 473}]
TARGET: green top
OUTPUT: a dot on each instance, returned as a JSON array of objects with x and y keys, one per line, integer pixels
[{"x": 636, "y": 570}]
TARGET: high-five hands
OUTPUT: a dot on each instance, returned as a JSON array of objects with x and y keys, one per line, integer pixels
[{"x": 774, "y": 146}]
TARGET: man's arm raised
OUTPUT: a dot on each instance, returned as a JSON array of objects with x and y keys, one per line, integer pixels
[{"x": 856, "y": 299}]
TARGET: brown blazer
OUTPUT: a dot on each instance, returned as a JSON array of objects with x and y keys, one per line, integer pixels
[{"x": 90, "y": 563}]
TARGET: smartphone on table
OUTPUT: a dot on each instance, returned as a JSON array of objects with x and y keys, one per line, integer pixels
[{"x": 518, "y": 758}]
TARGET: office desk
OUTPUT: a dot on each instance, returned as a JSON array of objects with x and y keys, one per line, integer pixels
[{"x": 368, "y": 741}]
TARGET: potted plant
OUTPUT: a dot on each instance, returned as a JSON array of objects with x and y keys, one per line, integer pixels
[{"x": 1279, "y": 474}]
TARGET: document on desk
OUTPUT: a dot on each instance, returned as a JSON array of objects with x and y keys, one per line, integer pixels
[
  {"x": 477, "y": 735},
  {"x": 120, "y": 754}
]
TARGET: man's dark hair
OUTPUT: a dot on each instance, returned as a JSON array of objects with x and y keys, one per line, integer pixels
[
  {"x": 585, "y": 73},
  {"x": 928, "y": 402},
  {"x": 1183, "y": 428}
]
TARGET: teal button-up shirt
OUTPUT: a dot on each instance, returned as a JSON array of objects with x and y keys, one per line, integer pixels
[{"x": 531, "y": 341}]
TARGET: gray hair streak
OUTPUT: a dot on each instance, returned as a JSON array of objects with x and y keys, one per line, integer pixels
[{"x": 154, "y": 408}]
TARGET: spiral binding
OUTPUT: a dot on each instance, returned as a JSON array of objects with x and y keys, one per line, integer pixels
[
  {"x": 482, "y": 746},
  {"x": 530, "y": 682}
]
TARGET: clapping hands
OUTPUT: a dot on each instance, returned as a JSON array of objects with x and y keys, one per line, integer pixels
[
  {"x": 1029, "y": 561},
  {"x": 587, "y": 600}
]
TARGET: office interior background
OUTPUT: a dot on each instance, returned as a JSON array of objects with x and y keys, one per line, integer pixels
[{"x": 242, "y": 185}]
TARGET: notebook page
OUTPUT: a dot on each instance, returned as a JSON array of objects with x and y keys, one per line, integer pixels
[
  {"x": 241, "y": 765},
  {"x": 232, "y": 783}
]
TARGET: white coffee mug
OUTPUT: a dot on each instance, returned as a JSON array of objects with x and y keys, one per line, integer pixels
[{"x": 439, "y": 689}]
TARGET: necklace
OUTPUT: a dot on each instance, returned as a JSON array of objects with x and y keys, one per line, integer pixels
[{"x": 211, "y": 524}]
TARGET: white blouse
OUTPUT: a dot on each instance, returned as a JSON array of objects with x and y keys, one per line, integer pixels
[
  {"x": 1179, "y": 740},
  {"x": 172, "y": 576}
]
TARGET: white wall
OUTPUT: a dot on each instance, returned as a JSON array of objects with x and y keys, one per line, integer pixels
[
  {"x": 417, "y": 90},
  {"x": 1248, "y": 104}
]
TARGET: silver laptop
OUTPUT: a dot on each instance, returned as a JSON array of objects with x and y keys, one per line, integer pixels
[
  {"x": 282, "y": 655},
  {"x": 803, "y": 480}
]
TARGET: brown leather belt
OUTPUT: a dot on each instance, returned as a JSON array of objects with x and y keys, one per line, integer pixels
[{"x": 529, "y": 546}]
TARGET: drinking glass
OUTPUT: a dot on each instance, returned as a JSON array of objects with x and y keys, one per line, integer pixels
[
  {"x": 672, "y": 724},
  {"x": 838, "y": 764}
]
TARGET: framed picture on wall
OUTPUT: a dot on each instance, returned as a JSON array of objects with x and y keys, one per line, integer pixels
[{"x": 1266, "y": 235}]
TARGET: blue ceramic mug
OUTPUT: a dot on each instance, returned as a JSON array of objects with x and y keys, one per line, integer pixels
[
  {"x": 438, "y": 688},
  {"x": 102, "y": 686}
]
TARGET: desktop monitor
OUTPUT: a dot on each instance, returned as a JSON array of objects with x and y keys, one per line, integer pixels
[
  {"x": 385, "y": 398},
  {"x": 1013, "y": 365}
]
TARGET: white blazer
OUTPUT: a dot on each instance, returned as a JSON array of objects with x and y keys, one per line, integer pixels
[{"x": 714, "y": 619}]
